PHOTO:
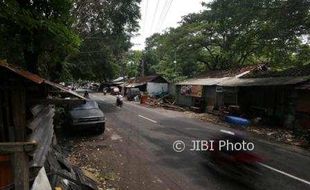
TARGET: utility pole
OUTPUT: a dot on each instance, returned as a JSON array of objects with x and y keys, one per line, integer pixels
[
  {"x": 142, "y": 67},
  {"x": 123, "y": 75},
  {"x": 175, "y": 60}
]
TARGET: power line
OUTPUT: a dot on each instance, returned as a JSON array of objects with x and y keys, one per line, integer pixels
[
  {"x": 145, "y": 13},
  {"x": 154, "y": 15},
  {"x": 166, "y": 13},
  {"x": 163, "y": 12}
]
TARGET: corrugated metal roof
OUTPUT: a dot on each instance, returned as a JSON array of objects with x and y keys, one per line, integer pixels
[
  {"x": 204, "y": 81},
  {"x": 139, "y": 81},
  {"x": 119, "y": 79},
  {"x": 270, "y": 81},
  {"x": 133, "y": 85},
  {"x": 35, "y": 78},
  {"x": 55, "y": 85},
  {"x": 232, "y": 72},
  {"x": 146, "y": 79},
  {"x": 26, "y": 74},
  {"x": 42, "y": 133},
  {"x": 297, "y": 71}
]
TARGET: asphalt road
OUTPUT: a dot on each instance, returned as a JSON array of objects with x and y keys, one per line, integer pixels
[{"x": 148, "y": 135}]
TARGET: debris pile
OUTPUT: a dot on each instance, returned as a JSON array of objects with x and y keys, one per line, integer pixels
[
  {"x": 203, "y": 116},
  {"x": 166, "y": 101},
  {"x": 87, "y": 153},
  {"x": 64, "y": 175},
  {"x": 280, "y": 135},
  {"x": 271, "y": 133}
]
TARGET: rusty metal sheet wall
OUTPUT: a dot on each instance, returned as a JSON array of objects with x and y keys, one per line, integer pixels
[
  {"x": 42, "y": 133},
  {"x": 30, "y": 76}
]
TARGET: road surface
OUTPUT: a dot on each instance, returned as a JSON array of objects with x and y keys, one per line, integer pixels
[{"x": 146, "y": 137}]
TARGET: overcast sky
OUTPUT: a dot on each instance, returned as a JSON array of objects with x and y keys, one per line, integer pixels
[{"x": 157, "y": 15}]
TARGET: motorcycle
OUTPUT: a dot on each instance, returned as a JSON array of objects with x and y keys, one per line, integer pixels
[
  {"x": 86, "y": 95},
  {"x": 119, "y": 101},
  {"x": 242, "y": 166}
]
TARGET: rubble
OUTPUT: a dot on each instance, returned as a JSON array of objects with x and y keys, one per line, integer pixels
[
  {"x": 204, "y": 117},
  {"x": 85, "y": 153},
  {"x": 271, "y": 133},
  {"x": 64, "y": 175},
  {"x": 280, "y": 135},
  {"x": 166, "y": 101}
]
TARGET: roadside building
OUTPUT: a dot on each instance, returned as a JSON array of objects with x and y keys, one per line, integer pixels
[
  {"x": 275, "y": 97},
  {"x": 303, "y": 105},
  {"x": 199, "y": 94},
  {"x": 118, "y": 82},
  {"x": 203, "y": 94},
  {"x": 27, "y": 108},
  {"x": 152, "y": 85}
]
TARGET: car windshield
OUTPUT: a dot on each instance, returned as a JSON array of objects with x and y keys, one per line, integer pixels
[{"x": 87, "y": 106}]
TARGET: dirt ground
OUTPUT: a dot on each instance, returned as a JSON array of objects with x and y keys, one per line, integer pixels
[
  {"x": 108, "y": 160},
  {"x": 98, "y": 157}
]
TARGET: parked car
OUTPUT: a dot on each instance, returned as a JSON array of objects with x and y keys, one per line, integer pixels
[
  {"x": 132, "y": 93},
  {"x": 87, "y": 116}
]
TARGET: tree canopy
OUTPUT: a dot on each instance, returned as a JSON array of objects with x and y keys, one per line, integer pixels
[
  {"x": 233, "y": 33},
  {"x": 105, "y": 28},
  {"x": 35, "y": 34},
  {"x": 90, "y": 39},
  {"x": 68, "y": 39}
]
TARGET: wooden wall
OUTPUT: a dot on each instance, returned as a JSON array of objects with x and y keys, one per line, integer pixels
[
  {"x": 16, "y": 95},
  {"x": 303, "y": 109}
]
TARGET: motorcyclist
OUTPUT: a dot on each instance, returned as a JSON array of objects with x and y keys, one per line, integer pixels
[
  {"x": 86, "y": 95},
  {"x": 232, "y": 136},
  {"x": 119, "y": 100},
  {"x": 241, "y": 165},
  {"x": 105, "y": 91}
]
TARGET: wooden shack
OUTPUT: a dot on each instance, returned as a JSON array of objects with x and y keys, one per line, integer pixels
[
  {"x": 26, "y": 124},
  {"x": 152, "y": 85},
  {"x": 204, "y": 94},
  {"x": 303, "y": 105},
  {"x": 277, "y": 97}
]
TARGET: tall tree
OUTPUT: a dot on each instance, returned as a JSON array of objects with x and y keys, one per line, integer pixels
[
  {"x": 232, "y": 33},
  {"x": 37, "y": 34},
  {"x": 106, "y": 27}
]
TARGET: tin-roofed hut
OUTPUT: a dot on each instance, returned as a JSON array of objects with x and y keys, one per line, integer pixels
[{"x": 26, "y": 124}]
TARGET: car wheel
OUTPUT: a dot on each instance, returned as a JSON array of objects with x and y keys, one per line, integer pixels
[{"x": 101, "y": 129}]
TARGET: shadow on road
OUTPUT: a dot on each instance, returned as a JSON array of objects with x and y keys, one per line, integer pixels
[{"x": 194, "y": 166}]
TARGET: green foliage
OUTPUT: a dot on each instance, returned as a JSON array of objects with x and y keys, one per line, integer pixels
[
  {"x": 106, "y": 28},
  {"x": 68, "y": 39},
  {"x": 233, "y": 33},
  {"x": 37, "y": 34},
  {"x": 133, "y": 63}
]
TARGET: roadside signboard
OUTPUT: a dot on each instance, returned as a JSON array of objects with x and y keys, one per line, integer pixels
[{"x": 191, "y": 90}]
